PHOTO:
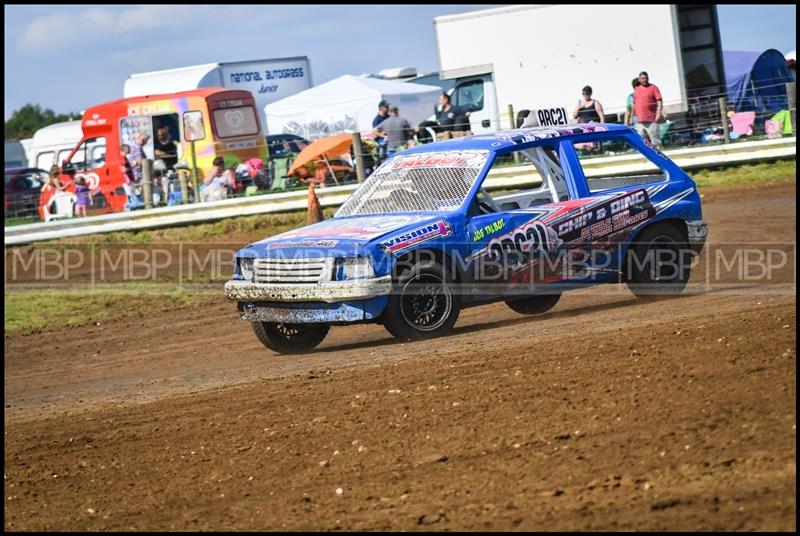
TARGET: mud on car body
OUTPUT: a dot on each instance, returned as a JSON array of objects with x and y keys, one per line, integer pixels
[{"x": 421, "y": 238}]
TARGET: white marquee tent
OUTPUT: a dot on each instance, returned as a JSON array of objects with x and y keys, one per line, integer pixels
[{"x": 348, "y": 103}]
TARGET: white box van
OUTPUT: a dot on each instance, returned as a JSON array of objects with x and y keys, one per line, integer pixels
[{"x": 53, "y": 143}]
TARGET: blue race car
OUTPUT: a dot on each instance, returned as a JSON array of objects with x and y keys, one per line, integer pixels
[{"x": 422, "y": 238}]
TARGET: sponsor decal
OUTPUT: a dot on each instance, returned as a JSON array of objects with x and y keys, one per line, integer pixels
[
  {"x": 439, "y": 229},
  {"x": 488, "y": 230},
  {"x": 95, "y": 120},
  {"x": 307, "y": 244},
  {"x": 241, "y": 144},
  {"x": 524, "y": 135},
  {"x": 231, "y": 103},
  {"x": 615, "y": 214},
  {"x": 234, "y": 118},
  {"x": 442, "y": 159},
  {"x": 358, "y": 228},
  {"x": 92, "y": 180},
  {"x": 548, "y": 117},
  {"x": 149, "y": 108},
  {"x": 528, "y": 238}
]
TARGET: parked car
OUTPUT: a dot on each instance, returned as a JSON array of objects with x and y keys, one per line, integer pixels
[
  {"x": 22, "y": 189},
  {"x": 422, "y": 238},
  {"x": 282, "y": 145}
]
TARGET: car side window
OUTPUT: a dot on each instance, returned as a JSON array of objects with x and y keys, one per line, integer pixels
[
  {"x": 539, "y": 175},
  {"x": 638, "y": 168}
]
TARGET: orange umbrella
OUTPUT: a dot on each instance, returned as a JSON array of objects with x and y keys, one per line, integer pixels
[{"x": 324, "y": 148}]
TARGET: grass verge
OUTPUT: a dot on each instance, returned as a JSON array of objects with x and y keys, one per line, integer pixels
[
  {"x": 748, "y": 174},
  {"x": 36, "y": 310}
]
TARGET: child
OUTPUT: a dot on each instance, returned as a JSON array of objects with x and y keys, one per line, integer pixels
[
  {"x": 83, "y": 196},
  {"x": 127, "y": 169}
]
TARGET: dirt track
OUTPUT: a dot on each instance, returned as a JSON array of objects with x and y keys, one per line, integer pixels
[{"x": 606, "y": 413}]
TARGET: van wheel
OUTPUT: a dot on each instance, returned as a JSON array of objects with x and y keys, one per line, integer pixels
[
  {"x": 658, "y": 262},
  {"x": 423, "y": 303},
  {"x": 290, "y": 338},
  {"x": 534, "y": 305}
]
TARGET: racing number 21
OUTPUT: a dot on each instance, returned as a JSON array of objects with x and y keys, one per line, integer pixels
[{"x": 552, "y": 116}]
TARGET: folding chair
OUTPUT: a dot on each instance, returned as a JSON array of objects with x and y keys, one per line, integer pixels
[
  {"x": 64, "y": 205},
  {"x": 279, "y": 179}
]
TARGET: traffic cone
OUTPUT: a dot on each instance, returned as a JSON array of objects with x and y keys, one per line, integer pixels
[{"x": 314, "y": 210}]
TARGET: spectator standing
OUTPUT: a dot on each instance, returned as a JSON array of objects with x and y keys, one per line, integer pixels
[
  {"x": 630, "y": 117},
  {"x": 588, "y": 110},
  {"x": 127, "y": 169},
  {"x": 396, "y": 130},
  {"x": 445, "y": 117},
  {"x": 647, "y": 105},
  {"x": 165, "y": 148},
  {"x": 53, "y": 183},
  {"x": 383, "y": 114},
  {"x": 83, "y": 196},
  {"x": 137, "y": 154}
]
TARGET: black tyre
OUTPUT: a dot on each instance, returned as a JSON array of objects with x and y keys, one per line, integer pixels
[
  {"x": 290, "y": 338},
  {"x": 423, "y": 302},
  {"x": 658, "y": 262},
  {"x": 534, "y": 305}
]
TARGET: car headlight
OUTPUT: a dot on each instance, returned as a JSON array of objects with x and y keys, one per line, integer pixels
[
  {"x": 356, "y": 268},
  {"x": 246, "y": 269}
]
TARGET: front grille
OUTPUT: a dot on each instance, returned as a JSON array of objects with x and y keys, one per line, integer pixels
[{"x": 292, "y": 270}]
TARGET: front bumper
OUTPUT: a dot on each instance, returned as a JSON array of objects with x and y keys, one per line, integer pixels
[{"x": 328, "y": 292}]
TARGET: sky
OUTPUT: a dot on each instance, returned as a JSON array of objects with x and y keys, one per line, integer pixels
[{"x": 70, "y": 57}]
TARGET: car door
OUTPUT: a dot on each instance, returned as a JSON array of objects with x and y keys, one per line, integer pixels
[{"x": 536, "y": 235}]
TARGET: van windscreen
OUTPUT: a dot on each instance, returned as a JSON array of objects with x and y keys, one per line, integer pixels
[{"x": 240, "y": 121}]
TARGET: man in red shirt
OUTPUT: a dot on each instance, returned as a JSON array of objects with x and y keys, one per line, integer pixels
[{"x": 648, "y": 109}]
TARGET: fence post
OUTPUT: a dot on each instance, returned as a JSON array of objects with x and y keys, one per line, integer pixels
[
  {"x": 791, "y": 94},
  {"x": 147, "y": 182},
  {"x": 723, "y": 112},
  {"x": 513, "y": 123},
  {"x": 195, "y": 175},
  {"x": 184, "y": 187},
  {"x": 358, "y": 150}
]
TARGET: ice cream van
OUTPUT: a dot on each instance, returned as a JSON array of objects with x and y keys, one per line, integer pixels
[{"x": 203, "y": 123}]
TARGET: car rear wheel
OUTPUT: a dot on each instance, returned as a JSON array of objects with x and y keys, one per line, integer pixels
[
  {"x": 423, "y": 303},
  {"x": 290, "y": 338},
  {"x": 658, "y": 262},
  {"x": 534, "y": 305}
]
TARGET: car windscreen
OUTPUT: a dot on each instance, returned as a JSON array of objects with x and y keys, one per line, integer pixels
[{"x": 422, "y": 182}]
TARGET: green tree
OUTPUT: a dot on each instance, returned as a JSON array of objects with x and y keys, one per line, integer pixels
[{"x": 30, "y": 118}]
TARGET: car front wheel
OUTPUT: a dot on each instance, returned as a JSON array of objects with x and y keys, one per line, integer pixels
[
  {"x": 290, "y": 338},
  {"x": 423, "y": 303}
]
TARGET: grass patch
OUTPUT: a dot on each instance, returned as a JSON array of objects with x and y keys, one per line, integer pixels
[
  {"x": 262, "y": 225},
  {"x": 748, "y": 174},
  {"x": 35, "y": 310},
  {"x": 10, "y": 222}
]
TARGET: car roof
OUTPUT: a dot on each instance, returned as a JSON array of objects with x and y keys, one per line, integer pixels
[
  {"x": 503, "y": 139},
  {"x": 285, "y": 137},
  {"x": 21, "y": 170}
]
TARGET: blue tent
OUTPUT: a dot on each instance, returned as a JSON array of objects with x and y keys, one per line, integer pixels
[{"x": 756, "y": 80}]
